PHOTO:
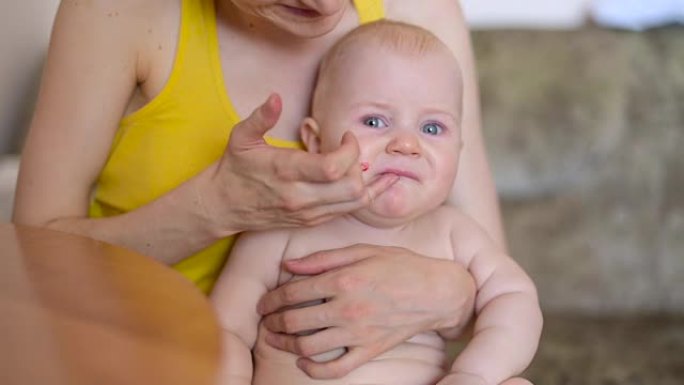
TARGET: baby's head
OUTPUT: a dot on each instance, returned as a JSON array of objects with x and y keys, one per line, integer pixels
[{"x": 398, "y": 89}]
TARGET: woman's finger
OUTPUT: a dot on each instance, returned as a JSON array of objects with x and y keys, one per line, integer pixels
[
  {"x": 327, "y": 260},
  {"x": 250, "y": 132},
  {"x": 337, "y": 368},
  {"x": 379, "y": 185},
  {"x": 333, "y": 199},
  {"x": 324, "y": 341},
  {"x": 352, "y": 191},
  {"x": 322, "y": 213},
  {"x": 296, "y": 292},
  {"x": 318, "y": 195},
  {"x": 293, "y": 165},
  {"x": 300, "y": 319}
]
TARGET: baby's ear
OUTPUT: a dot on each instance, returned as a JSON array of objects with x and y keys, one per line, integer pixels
[{"x": 311, "y": 135}]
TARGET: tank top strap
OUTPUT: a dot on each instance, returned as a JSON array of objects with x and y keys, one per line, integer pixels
[
  {"x": 369, "y": 10},
  {"x": 197, "y": 64}
]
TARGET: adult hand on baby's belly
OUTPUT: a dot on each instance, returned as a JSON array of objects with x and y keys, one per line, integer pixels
[
  {"x": 420, "y": 361},
  {"x": 371, "y": 308}
]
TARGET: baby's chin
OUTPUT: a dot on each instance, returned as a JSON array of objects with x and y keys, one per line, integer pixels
[
  {"x": 388, "y": 210},
  {"x": 380, "y": 221}
]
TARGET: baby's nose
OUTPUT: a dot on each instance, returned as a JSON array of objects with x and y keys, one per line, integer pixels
[{"x": 404, "y": 143}]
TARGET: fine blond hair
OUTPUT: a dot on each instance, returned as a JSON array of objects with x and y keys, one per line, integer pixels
[{"x": 393, "y": 36}]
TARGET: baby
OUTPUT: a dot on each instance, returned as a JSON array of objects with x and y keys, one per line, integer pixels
[{"x": 398, "y": 89}]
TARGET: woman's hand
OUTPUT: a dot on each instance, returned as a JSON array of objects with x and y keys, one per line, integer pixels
[
  {"x": 376, "y": 297},
  {"x": 257, "y": 186}
]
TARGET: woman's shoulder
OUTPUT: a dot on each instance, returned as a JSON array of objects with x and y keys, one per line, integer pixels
[
  {"x": 424, "y": 13},
  {"x": 126, "y": 10},
  {"x": 125, "y": 30},
  {"x": 127, "y": 17},
  {"x": 127, "y": 21},
  {"x": 444, "y": 18},
  {"x": 120, "y": 5}
]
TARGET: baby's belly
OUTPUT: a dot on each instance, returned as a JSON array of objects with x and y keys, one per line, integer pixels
[{"x": 419, "y": 361}]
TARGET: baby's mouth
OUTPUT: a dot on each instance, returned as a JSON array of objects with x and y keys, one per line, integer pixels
[{"x": 400, "y": 173}]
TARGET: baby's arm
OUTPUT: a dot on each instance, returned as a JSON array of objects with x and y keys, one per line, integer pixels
[
  {"x": 251, "y": 271},
  {"x": 508, "y": 318}
]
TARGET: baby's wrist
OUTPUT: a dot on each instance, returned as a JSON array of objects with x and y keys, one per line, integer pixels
[{"x": 463, "y": 378}]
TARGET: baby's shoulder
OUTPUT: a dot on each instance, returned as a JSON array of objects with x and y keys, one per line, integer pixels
[
  {"x": 452, "y": 216},
  {"x": 463, "y": 229}
]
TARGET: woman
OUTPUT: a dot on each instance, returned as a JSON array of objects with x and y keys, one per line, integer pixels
[{"x": 139, "y": 99}]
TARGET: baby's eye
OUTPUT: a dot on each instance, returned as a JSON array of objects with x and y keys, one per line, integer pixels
[
  {"x": 432, "y": 129},
  {"x": 374, "y": 121}
]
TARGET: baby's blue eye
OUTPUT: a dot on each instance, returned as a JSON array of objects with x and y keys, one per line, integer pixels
[
  {"x": 431, "y": 129},
  {"x": 374, "y": 121}
]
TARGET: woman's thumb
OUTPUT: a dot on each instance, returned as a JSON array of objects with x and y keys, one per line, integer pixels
[{"x": 251, "y": 131}]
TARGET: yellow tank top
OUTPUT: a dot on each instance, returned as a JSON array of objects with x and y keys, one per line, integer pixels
[{"x": 181, "y": 132}]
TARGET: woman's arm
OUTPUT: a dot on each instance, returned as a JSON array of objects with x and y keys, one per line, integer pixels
[
  {"x": 474, "y": 191},
  {"x": 95, "y": 62}
]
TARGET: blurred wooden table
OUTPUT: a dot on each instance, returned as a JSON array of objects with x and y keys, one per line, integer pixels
[{"x": 76, "y": 311}]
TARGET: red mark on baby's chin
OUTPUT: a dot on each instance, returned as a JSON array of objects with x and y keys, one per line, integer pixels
[{"x": 364, "y": 166}]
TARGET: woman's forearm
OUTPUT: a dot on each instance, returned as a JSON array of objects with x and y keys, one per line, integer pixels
[{"x": 168, "y": 229}]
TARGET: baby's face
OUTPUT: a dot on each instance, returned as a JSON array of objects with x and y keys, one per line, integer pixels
[{"x": 405, "y": 111}]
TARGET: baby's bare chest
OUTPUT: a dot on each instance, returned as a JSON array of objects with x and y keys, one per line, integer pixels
[{"x": 426, "y": 241}]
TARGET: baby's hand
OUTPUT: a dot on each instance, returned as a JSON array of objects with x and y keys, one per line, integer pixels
[
  {"x": 459, "y": 378},
  {"x": 473, "y": 379}
]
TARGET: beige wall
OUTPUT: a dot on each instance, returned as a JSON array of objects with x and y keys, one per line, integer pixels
[{"x": 24, "y": 33}]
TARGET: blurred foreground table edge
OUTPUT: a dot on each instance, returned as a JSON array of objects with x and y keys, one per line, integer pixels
[{"x": 80, "y": 311}]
